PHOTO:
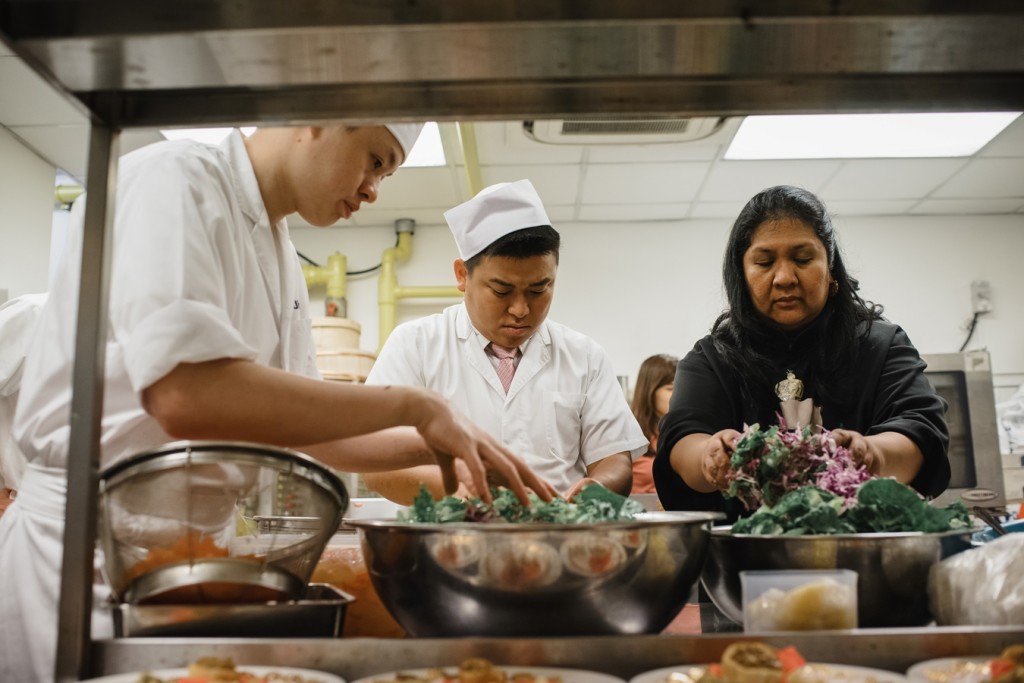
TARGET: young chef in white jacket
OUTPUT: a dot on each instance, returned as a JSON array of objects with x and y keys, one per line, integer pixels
[
  {"x": 209, "y": 338},
  {"x": 563, "y": 409}
]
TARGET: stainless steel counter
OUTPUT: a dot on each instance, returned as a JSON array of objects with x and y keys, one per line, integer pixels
[{"x": 624, "y": 656}]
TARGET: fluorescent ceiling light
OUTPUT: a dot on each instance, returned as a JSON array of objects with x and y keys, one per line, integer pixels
[
  {"x": 860, "y": 136},
  {"x": 427, "y": 151}
]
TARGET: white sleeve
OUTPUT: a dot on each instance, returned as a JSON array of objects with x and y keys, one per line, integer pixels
[
  {"x": 168, "y": 299},
  {"x": 608, "y": 425},
  {"x": 400, "y": 361}
]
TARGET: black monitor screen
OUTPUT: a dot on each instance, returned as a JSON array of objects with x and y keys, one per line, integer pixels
[{"x": 952, "y": 386}]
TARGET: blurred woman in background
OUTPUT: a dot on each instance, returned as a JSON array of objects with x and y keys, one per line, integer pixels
[{"x": 650, "y": 403}]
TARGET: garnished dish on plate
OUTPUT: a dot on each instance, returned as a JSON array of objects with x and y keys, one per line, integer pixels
[
  {"x": 217, "y": 670},
  {"x": 478, "y": 670},
  {"x": 760, "y": 663},
  {"x": 1008, "y": 667}
]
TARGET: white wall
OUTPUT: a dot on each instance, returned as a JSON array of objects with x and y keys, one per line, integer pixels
[
  {"x": 657, "y": 288},
  {"x": 26, "y": 215}
]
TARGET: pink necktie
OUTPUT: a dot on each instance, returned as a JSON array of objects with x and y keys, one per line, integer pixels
[{"x": 506, "y": 363}]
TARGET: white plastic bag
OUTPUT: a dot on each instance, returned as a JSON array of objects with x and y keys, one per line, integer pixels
[{"x": 980, "y": 587}]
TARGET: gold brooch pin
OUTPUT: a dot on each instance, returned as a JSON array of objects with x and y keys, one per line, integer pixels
[{"x": 790, "y": 388}]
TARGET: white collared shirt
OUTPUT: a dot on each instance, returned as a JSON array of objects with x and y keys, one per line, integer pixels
[{"x": 563, "y": 411}]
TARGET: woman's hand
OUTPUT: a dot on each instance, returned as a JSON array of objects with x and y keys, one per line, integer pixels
[
  {"x": 452, "y": 438},
  {"x": 865, "y": 451},
  {"x": 715, "y": 454}
]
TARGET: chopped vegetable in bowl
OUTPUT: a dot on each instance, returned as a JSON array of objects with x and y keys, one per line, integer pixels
[{"x": 594, "y": 503}]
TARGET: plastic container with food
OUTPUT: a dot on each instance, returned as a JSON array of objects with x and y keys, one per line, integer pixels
[
  {"x": 799, "y": 600},
  {"x": 342, "y": 566}
]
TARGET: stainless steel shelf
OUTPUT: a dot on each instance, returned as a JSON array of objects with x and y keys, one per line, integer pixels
[
  {"x": 204, "y": 62},
  {"x": 216, "y": 61}
]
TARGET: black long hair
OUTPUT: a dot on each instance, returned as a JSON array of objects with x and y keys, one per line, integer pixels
[{"x": 740, "y": 333}]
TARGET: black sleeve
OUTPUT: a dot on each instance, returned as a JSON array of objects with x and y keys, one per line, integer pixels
[
  {"x": 700, "y": 405},
  {"x": 907, "y": 404}
]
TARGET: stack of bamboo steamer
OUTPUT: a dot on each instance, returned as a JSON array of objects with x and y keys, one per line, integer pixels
[{"x": 338, "y": 356}]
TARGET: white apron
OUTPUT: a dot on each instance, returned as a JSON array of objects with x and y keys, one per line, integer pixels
[{"x": 28, "y": 624}]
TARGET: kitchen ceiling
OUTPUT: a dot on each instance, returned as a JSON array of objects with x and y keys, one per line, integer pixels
[{"x": 623, "y": 182}]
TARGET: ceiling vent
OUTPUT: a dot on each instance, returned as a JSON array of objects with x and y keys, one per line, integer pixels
[{"x": 624, "y": 130}]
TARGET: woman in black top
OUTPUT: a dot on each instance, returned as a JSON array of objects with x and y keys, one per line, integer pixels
[{"x": 792, "y": 306}]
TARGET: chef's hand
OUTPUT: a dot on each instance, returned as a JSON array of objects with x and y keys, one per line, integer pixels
[
  {"x": 863, "y": 449},
  {"x": 715, "y": 454},
  {"x": 579, "y": 486},
  {"x": 451, "y": 437}
]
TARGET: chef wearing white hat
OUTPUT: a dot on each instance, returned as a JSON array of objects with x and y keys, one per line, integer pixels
[
  {"x": 209, "y": 337},
  {"x": 549, "y": 393}
]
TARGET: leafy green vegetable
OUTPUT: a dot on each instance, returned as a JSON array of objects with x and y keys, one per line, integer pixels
[
  {"x": 881, "y": 505},
  {"x": 768, "y": 463},
  {"x": 594, "y": 503}
]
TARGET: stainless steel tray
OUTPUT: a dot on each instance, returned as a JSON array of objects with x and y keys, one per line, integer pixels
[{"x": 321, "y": 614}]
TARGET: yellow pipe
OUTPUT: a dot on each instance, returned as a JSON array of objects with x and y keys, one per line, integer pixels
[
  {"x": 470, "y": 157},
  {"x": 387, "y": 285},
  {"x": 389, "y": 291},
  {"x": 66, "y": 194},
  {"x": 427, "y": 292},
  {"x": 333, "y": 275}
]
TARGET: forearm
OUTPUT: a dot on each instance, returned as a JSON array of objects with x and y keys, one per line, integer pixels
[
  {"x": 402, "y": 486},
  {"x": 240, "y": 400},
  {"x": 375, "y": 454},
  {"x": 686, "y": 461},
  {"x": 902, "y": 458},
  {"x": 614, "y": 472}
]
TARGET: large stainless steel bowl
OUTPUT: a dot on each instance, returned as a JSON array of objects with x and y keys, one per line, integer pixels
[
  {"x": 536, "y": 579},
  {"x": 892, "y": 568}
]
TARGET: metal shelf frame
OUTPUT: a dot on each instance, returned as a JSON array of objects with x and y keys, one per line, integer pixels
[{"x": 129, "y": 64}]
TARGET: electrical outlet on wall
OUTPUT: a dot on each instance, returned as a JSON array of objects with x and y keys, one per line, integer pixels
[{"x": 981, "y": 296}]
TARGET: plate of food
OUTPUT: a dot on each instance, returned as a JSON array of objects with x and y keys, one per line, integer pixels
[
  {"x": 753, "y": 661},
  {"x": 809, "y": 673},
  {"x": 216, "y": 670},
  {"x": 954, "y": 670},
  {"x": 483, "y": 671}
]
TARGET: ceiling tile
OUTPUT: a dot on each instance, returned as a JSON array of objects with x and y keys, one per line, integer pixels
[
  {"x": 66, "y": 147},
  {"x": 717, "y": 209},
  {"x": 869, "y": 207},
  {"x": 741, "y": 180},
  {"x": 967, "y": 207},
  {"x": 560, "y": 214},
  {"x": 417, "y": 188},
  {"x": 626, "y": 213},
  {"x": 986, "y": 178},
  {"x": 690, "y": 151},
  {"x": 554, "y": 184},
  {"x": 36, "y": 102},
  {"x": 889, "y": 178},
  {"x": 503, "y": 142},
  {"x": 1009, "y": 143},
  {"x": 659, "y": 183}
]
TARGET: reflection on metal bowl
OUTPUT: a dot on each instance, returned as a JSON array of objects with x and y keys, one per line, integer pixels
[
  {"x": 892, "y": 568},
  {"x": 536, "y": 579},
  {"x": 593, "y": 555}
]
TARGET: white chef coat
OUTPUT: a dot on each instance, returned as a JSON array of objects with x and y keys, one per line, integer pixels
[
  {"x": 17, "y": 322},
  {"x": 564, "y": 409},
  {"x": 198, "y": 274}
]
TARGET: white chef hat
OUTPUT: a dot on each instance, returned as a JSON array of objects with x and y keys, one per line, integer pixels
[
  {"x": 406, "y": 134},
  {"x": 493, "y": 213}
]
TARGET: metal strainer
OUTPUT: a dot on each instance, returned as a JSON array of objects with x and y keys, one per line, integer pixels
[{"x": 178, "y": 523}]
